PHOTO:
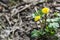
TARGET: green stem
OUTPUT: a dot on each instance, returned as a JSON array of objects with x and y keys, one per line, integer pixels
[{"x": 45, "y": 21}]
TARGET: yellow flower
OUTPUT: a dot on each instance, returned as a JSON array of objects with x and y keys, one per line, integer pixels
[
  {"x": 45, "y": 10},
  {"x": 37, "y": 18}
]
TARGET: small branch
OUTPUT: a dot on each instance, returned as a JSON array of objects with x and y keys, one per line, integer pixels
[
  {"x": 27, "y": 6},
  {"x": 3, "y": 4},
  {"x": 54, "y": 5},
  {"x": 1, "y": 14},
  {"x": 8, "y": 19},
  {"x": 57, "y": 5}
]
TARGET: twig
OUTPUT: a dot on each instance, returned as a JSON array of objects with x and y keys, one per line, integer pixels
[
  {"x": 1, "y": 14},
  {"x": 8, "y": 19},
  {"x": 27, "y": 6},
  {"x": 3, "y": 4},
  {"x": 36, "y": 10},
  {"x": 54, "y": 5}
]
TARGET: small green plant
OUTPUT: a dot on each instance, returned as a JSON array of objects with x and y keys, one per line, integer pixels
[{"x": 48, "y": 31}]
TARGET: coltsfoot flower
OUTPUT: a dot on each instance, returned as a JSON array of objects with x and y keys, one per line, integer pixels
[
  {"x": 45, "y": 10},
  {"x": 37, "y": 18}
]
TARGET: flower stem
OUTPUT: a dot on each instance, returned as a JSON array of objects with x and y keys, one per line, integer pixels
[{"x": 45, "y": 21}]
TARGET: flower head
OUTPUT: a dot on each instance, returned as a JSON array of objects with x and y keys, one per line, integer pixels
[
  {"x": 37, "y": 18},
  {"x": 45, "y": 10}
]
